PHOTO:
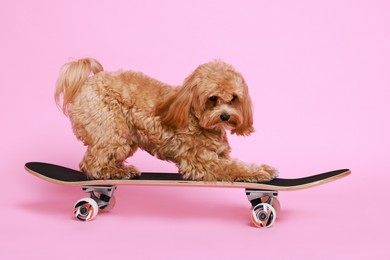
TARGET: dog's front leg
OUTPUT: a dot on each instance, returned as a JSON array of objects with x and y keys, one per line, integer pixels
[
  {"x": 210, "y": 167},
  {"x": 235, "y": 170}
]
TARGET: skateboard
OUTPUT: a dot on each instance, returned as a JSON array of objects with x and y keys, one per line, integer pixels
[{"x": 262, "y": 196}]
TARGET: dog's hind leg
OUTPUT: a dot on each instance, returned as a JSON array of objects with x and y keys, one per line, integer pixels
[
  {"x": 106, "y": 134},
  {"x": 108, "y": 162}
]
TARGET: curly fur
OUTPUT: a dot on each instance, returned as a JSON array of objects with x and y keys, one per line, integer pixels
[{"x": 115, "y": 113}]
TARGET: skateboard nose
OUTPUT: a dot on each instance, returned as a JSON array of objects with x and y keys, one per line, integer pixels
[{"x": 225, "y": 117}]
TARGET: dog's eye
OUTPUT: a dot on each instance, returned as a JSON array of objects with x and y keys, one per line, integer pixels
[
  {"x": 213, "y": 98},
  {"x": 234, "y": 98}
]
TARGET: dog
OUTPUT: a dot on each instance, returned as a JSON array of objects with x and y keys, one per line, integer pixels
[{"x": 115, "y": 113}]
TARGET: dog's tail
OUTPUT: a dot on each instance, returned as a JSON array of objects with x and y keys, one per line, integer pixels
[{"x": 72, "y": 76}]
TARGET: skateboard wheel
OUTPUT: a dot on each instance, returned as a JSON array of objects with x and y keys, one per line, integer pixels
[
  {"x": 110, "y": 206},
  {"x": 263, "y": 215},
  {"x": 276, "y": 205},
  {"x": 86, "y": 209}
]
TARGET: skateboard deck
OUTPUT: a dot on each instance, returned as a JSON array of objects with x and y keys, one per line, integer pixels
[{"x": 263, "y": 196}]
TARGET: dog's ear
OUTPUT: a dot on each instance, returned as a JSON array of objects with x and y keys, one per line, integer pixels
[
  {"x": 175, "y": 109},
  {"x": 245, "y": 105}
]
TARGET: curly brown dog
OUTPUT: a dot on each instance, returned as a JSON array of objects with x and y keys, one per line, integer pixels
[{"x": 115, "y": 113}]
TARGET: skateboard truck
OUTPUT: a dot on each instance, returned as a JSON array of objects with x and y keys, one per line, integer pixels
[
  {"x": 100, "y": 198},
  {"x": 265, "y": 206}
]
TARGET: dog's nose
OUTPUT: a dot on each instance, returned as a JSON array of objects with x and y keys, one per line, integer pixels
[{"x": 224, "y": 117}]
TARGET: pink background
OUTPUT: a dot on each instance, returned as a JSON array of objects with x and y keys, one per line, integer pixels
[{"x": 318, "y": 73}]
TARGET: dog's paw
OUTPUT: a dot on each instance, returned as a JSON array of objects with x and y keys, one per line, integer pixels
[
  {"x": 271, "y": 171},
  {"x": 116, "y": 173},
  {"x": 127, "y": 172},
  {"x": 262, "y": 173},
  {"x": 193, "y": 176}
]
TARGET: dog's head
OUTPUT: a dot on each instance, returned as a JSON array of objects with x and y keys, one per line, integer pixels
[{"x": 216, "y": 95}]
